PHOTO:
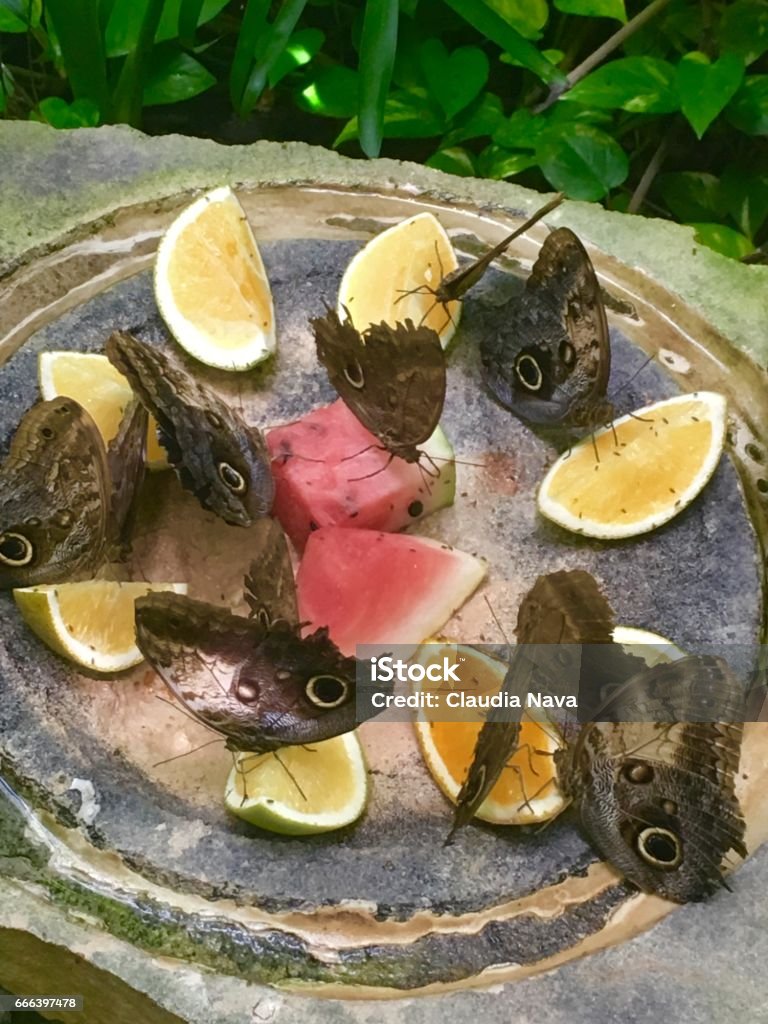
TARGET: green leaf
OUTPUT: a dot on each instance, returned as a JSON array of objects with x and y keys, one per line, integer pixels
[
  {"x": 253, "y": 30},
  {"x": 456, "y": 79},
  {"x": 520, "y": 130},
  {"x": 82, "y": 47},
  {"x": 332, "y": 93},
  {"x": 18, "y": 15},
  {"x": 748, "y": 110},
  {"x": 641, "y": 85},
  {"x": 705, "y": 89},
  {"x": 568, "y": 113},
  {"x": 125, "y": 20},
  {"x": 692, "y": 195},
  {"x": 482, "y": 118},
  {"x": 60, "y": 114},
  {"x": 454, "y": 160},
  {"x": 497, "y": 162},
  {"x": 745, "y": 194},
  {"x": 175, "y": 76},
  {"x": 581, "y": 161},
  {"x": 128, "y": 93},
  {"x": 723, "y": 240},
  {"x": 378, "y": 45},
  {"x": 528, "y": 17},
  {"x": 593, "y": 8},
  {"x": 744, "y": 29},
  {"x": 268, "y": 52},
  {"x": 190, "y": 12},
  {"x": 407, "y": 115},
  {"x": 304, "y": 45},
  {"x": 7, "y": 88},
  {"x": 489, "y": 24}
]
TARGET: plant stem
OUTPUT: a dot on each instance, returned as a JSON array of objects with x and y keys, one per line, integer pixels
[
  {"x": 599, "y": 55},
  {"x": 650, "y": 172}
]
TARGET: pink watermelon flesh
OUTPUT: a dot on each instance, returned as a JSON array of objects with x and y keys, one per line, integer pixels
[
  {"x": 313, "y": 494},
  {"x": 370, "y": 587}
]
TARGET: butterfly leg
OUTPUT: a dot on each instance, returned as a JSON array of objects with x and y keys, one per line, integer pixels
[
  {"x": 290, "y": 775},
  {"x": 367, "y": 476}
]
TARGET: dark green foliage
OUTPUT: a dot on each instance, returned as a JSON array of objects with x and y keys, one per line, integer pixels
[{"x": 669, "y": 120}]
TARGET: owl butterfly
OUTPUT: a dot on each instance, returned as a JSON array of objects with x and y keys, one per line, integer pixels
[
  {"x": 392, "y": 378},
  {"x": 551, "y": 359},
  {"x": 458, "y": 282},
  {"x": 561, "y": 611},
  {"x": 62, "y": 513},
  {"x": 653, "y": 779},
  {"x": 255, "y": 681},
  {"x": 218, "y": 457}
]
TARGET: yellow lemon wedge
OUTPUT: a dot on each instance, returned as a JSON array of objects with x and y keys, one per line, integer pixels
[
  {"x": 211, "y": 286},
  {"x": 652, "y": 648},
  {"x": 90, "y": 624},
  {"x": 392, "y": 277},
  {"x": 301, "y": 790},
  {"x": 650, "y": 465},
  {"x": 527, "y": 790},
  {"x": 102, "y": 390}
]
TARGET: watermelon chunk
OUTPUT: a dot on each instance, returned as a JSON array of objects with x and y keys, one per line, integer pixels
[
  {"x": 328, "y": 492},
  {"x": 370, "y": 587}
]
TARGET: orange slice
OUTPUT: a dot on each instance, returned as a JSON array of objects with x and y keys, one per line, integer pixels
[
  {"x": 650, "y": 466},
  {"x": 101, "y": 389},
  {"x": 211, "y": 286},
  {"x": 527, "y": 790},
  {"x": 391, "y": 277}
]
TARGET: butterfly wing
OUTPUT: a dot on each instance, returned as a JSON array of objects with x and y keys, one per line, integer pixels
[
  {"x": 126, "y": 458},
  {"x": 551, "y": 361},
  {"x": 53, "y": 497},
  {"x": 259, "y": 688},
  {"x": 218, "y": 457},
  {"x": 656, "y": 791},
  {"x": 560, "y": 612},
  {"x": 392, "y": 378},
  {"x": 270, "y": 590}
]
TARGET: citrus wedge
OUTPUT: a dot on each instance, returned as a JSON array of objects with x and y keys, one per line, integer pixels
[
  {"x": 652, "y": 648},
  {"x": 211, "y": 286},
  {"x": 527, "y": 790},
  {"x": 651, "y": 464},
  {"x": 303, "y": 790},
  {"x": 391, "y": 278},
  {"x": 101, "y": 389},
  {"x": 90, "y": 624}
]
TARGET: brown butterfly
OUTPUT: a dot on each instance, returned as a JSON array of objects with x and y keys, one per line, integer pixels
[
  {"x": 392, "y": 378},
  {"x": 256, "y": 681},
  {"x": 62, "y": 514},
  {"x": 653, "y": 778},
  {"x": 222, "y": 460},
  {"x": 653, "y": 781},
  {"x": 561, "y": 611},
  {"x": 550, "y": 360}
]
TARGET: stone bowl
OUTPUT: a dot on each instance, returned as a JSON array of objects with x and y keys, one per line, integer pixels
[{"x": 147, "y": 851}]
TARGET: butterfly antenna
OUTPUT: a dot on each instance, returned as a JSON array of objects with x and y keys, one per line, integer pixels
[
  {"x": 194, "y": 750},
  {"x": 496, "y": 620},
  {"x": 637, "y": 372},
  {"x": 183, "y": 711},
  {"x": 290, "y": 775}
]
